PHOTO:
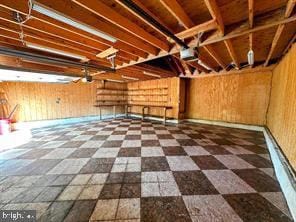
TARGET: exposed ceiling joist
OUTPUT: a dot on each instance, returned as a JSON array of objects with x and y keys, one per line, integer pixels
[
  {"x": 215, "y": 56},
  {"x": 112, "y": 16},
  {"x": 232, "y": 53},
  {"x": 215, "y": 13},
  {"x": 279, "y": 31},
  {"x": 177, "y": 11}
]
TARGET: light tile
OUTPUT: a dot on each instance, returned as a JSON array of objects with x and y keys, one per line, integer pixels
[
  {"x": 131, "y": 143},
  {"x": 227, "y": 182},
  {"x": 90, "y": 192},
  {"x": 61, "y": 153},
  {"x": 128, "y": 209},
  {"x": 81, "y": 179},
  {"x": 106, "y": 152},
  {"x": 181, "y": 163},
  {"x": 70, "y": 193},
  {"x": 209, "y": 208},
  {"x": 233, "y": 162},
  {"x": 195, "y": 150},
  {"x": 92, "y": 144},
  {"x": 151, "y": 151},
  {"x": 69, "y": 166},
  {"x": 99, "y": 178},
  {"x": 116, "y": 137},
  {"x": 105, "y": 210}
]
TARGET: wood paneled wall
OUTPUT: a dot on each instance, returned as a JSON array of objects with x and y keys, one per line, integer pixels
[
  {"x": 155, "y": 92},
  {"x": 238, "y": 98},
  {"x": 44, "y": 101},
  {"x": 281, "y": 117}
]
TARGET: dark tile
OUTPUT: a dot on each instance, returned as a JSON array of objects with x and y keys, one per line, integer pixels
[
  {"x": 89, "y": 133},
  {"x": 110, "y": 191},
  {"x": 222, "y": 142},
  {"x": 196, "y": 136},
  {"x": 107, "y": 129},
  {"x": 134, "y": 128},
  {"x": 38, "y": 167},
  {"x": 129, "y": 152},
  {"x": 159, "y": 128},
  {"x": 115, "y": 178},
  {"x": 176, "y": 131},
  {"x": 57, "y": 211},
  {"x": 147, "y": 132},
  {"x": 83, "y": 153},
  {"x": 187, "y": 142},
  {"x": 165, "y": 136},
  {"x": 49, "y": 194},
  {"x": 99, "y": 137},
  {"x": 259, "y": 180},
  {"x": 119, "y": 132},
  {"x": 150, "y": 143},
  {"x": 256, "y": 161},
  {"x": 174, "y": 151},
  {"x": 112, "y": 143},
  {"x": 254, "y": 207},
  {"x": 62, "y": 180},
  {"x": 35, "y": 154},
  {"x": 194, "y": 183},
  {"x": 132, "y": 177},
  {"x": 155, "y": 164},
  {"x": 163, "y": 209},
  {"x": 81, "y": 211},
  {"x": 130, "y": 190},
  {"x": 72, "y": 144},
  {"x": 216, "y": 150},
  {"x": 28, "y": 195},
  {"x": 208, "y": 163},
  {"x": 100, "y": 165},
  {"x": 255, "y": 149},
  {"x": 132, "y": 137}
]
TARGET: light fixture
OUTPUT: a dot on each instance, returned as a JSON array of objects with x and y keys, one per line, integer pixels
[
  {"x": 151, "y": 74},
  {"x": 129, "y": 77},
  {"x": 87, "y": 78},
  {"x": 55, "y": 15},
  {"x": 115, "y": 80},
  {"x": 56, "y": 51},
  {"x": 251, "y": 57},
  {"x": 27, "y": 76}
]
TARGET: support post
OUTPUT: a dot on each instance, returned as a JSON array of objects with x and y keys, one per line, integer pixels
[
  {"x": 114, "y": 112},
  {"x": 100, "y": 112}
]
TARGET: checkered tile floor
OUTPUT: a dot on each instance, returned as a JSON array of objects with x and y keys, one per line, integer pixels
[{"x": 133, "y": 170}]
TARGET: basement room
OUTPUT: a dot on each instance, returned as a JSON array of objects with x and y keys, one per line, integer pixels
[{"x": 153, "y": 111}]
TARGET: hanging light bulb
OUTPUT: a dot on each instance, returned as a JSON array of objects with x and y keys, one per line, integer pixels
[{"x": 251, "y": 57}]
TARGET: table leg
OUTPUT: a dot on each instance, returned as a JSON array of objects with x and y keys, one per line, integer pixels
[
  {"x": 100, "y": 112},
  {"x": 126, "y": 111},
  {"x": 164, "y": 116}
]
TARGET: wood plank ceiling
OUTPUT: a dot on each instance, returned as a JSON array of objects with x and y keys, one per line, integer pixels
[{"x": 223, "y": 30}]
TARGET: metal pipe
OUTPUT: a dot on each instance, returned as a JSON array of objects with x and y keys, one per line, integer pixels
[
  {"x": 131, "y": 5},
  {"x": 52, "y": 60}
]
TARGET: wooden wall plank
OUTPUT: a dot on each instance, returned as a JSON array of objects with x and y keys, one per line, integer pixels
[
  {"x": 38, "y": 101},
  {"x": 281, "y": 117},
  {"x": 238, "y": 98}
]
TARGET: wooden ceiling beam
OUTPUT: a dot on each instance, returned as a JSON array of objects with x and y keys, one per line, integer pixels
[
  {"x": 215, "y": 13},
  {"x": 72, "y": 10},
  {"x": 143, "y": 7},
  {"x": 193, "y": 31},
  {"x": 198, "y": 66},
  {"x": 232, "y": 53},
  {"x": 244, "y": 30},
  {"x": 251, "y": 21},
  {"x": 55, "y": 28},
  {"x": 177, "y": 11},
  {"x": 215, "y": 56},
  {"x": 114, "y": 17},
  {"x": 279, "y": 31}
]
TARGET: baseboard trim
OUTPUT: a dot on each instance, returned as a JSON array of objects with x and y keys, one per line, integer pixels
[
  {"x": 227, "y": 124},
  {"x": 283, "y": 172},
  {"x": 45, "y": 123}
]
